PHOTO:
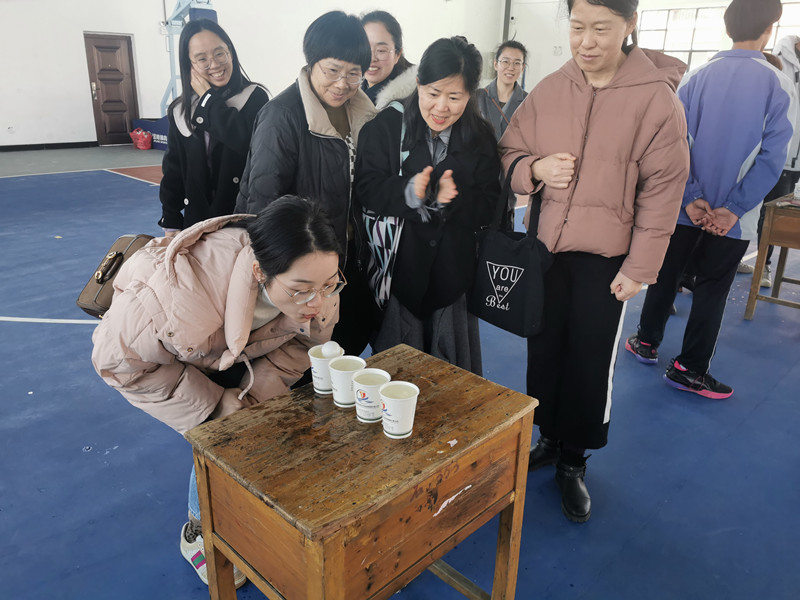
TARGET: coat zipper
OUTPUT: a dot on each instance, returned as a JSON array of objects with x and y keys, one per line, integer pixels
[
  {"x": 349, "y": 196},
  {"x": 578, "y": 164}
]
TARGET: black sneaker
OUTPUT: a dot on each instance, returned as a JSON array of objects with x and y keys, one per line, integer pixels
[
  {"x": 644, "y": 353},
  {"x": 682, "y": 378}
]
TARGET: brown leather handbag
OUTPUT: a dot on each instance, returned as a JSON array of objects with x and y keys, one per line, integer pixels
[{"x": 96, "y": 296}]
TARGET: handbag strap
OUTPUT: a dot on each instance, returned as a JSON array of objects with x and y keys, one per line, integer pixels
[
  {"x": 403, "y": 153},
  {"x": 536, "y": 201}
]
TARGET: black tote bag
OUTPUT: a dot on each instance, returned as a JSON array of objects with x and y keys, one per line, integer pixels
[{"x": 508, "y": 287}]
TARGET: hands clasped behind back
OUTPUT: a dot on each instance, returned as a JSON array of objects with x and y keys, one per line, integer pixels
[{"x": 718, "y": 221}]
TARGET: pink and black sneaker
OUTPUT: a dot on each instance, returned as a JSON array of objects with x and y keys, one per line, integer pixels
[
  {"x": 684, "y": 379},
  {"x": 645, "y": 353}
]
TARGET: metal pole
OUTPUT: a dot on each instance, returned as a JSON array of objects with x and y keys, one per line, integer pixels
[{"x": 506, "y": 20}]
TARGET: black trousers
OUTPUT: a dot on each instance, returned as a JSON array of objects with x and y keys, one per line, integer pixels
[
  {"x": 571, "y": 362},
  {"x": 715, "y": 260}
]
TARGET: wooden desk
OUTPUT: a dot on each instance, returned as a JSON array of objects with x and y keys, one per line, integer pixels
[
  {"x": 310, "y": 503},
  {"x": 781, "y": 228}
]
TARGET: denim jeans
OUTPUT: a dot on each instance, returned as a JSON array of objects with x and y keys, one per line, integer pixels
[{"x": 194, "y": 500}]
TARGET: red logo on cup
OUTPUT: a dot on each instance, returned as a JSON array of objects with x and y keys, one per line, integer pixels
[{"x": 361, "y": 394}]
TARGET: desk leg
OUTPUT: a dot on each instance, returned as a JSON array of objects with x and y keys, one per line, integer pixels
[
  {"x": 219, "y": 568},
  {"x": 776, "y": 284},
  {"x": 509, "y": 536},
  {"x": 761, "y": 260}
]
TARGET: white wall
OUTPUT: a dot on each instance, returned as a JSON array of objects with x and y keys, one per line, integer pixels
[
  {"x": 48, "y": 100},
  {"x": 542, "y": 25}
]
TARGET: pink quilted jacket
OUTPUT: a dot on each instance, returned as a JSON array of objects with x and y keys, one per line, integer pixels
[
  {"x": 633, "y": 159},
  {"x": 185, "y": 308}
]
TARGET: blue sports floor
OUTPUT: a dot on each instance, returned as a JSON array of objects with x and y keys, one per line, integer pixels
[{"x": 692, "y": 498}]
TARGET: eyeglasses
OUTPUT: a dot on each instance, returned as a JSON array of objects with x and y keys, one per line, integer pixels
[
  {"x": 506, "y": 63},
  {"x": 333, "y": 76},
  {"x": 382, "y": 54},
  {"x": 220, "y": 57},
  {"x": 306, "y": 296}
]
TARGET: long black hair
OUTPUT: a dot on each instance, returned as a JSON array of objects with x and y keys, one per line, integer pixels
[
  {"x": 287, "y": 229},
  {"x": 393, "y": 27},
  {"x": 624, "y": 8},
  {"x": 238, "y": 80},
  {"x": 445, "y": 58}
]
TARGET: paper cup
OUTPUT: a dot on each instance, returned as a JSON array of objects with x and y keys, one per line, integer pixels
[
  {"x": 399, "y": 400},
  {"x": 342, "y": 370},
  {"x": 319, "y": 369},
  {"x": 366, "y": 391}
]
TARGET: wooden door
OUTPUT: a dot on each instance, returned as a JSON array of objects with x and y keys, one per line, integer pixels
[{"x": 112, "y": 86}]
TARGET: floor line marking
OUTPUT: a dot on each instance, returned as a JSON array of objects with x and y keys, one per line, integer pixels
[
  {"x": 77, "y": 171},
  {"x": 34, "y": 320},
  {"x": 747, "y": 257},
  {"x": 131, "y": 176}
]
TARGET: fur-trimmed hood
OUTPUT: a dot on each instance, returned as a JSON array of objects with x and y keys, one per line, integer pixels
[{"x": 398, "y": 88}]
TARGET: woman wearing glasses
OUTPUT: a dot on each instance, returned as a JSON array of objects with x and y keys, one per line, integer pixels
[
  {"x": 498, "y": 100},
  {"x": 433, "y": 162},
  {"x": 209, "y": 129},
  {"x": 304, "y": 143},
  {"x": 390, "y": 75},
  {"x": 219, "y": 318}
]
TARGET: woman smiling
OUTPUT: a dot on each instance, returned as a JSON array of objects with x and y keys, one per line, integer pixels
[
  {"x": 433, "y": 162},
  {"x": 305, "y": 142}
]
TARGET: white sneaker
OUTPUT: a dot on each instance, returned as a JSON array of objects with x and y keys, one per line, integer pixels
[
  {"x": 766, "y": 278},
  {"x": 745, "y": 268},
  {"x": 194, "y": 552}
]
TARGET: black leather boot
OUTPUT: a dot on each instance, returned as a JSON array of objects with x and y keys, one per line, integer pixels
[
  {"x": 545, "y": 452},
  {"x": 575, "y": 501}
]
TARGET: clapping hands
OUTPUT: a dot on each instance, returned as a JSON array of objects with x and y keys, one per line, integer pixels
[{"x": 447, "y": 186}]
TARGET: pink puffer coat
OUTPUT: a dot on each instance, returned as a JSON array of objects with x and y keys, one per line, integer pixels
[{"x": 183, "y": 308}]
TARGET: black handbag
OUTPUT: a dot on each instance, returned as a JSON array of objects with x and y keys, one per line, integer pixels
[{"x": 508, "y": 287}]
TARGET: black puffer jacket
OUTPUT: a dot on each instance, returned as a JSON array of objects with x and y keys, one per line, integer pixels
[
  {"x": 193, "y": 187},
  {"x": 296, "y": 150},
  {"x": 436, "y": 260}
]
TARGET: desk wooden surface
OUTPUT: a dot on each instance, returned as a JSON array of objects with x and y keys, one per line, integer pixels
[{"x": 323, "y": 475}]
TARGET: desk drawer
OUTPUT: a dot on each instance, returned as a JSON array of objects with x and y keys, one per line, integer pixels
[{"x": 392, "y": 539}]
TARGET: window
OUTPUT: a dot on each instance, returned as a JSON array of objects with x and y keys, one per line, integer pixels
[{"x": 695, "y": 35}]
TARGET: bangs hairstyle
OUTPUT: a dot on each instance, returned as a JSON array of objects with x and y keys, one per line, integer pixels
[
  {"x": 448, "y": 57},
  {"x": 287, "y": 229},
  {"x": 624, "y": 8},
  {"x": 513, "y": 44},
  {"x": 340, "y": 36},
  {"x": 747, "y": 20},
  {"x": 393, "y": 27},
  {"x": 238, "y": 80}
]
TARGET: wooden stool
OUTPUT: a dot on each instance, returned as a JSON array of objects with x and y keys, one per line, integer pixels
[
  {"x": 781, "y": 228},
  {"x": 312, "y": 505}
]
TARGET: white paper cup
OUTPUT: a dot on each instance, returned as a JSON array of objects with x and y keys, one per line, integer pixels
[
  {"x": 342, "y": 370},
  {"x": 320, "y": 374},
  {"x": 399, "y": 400},
  {"x": 366, "y": 391}
]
